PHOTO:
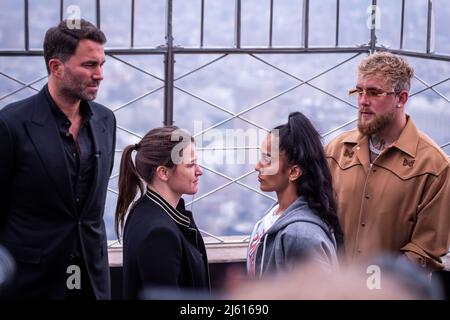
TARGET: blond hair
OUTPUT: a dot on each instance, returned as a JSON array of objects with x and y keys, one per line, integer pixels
[{"x": 390, "y": 66}]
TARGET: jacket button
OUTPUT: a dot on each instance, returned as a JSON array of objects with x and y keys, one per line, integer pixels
[
  {"x": 363, "y": 224},
  {"x": 367, "y": 196}
]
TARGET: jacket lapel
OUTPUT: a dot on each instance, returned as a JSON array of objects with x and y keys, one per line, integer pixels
[
  {"x": 98, "y": 131},
  {"x": 44, "y": 134}
]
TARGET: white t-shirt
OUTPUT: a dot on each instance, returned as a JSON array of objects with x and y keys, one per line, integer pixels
[{"x": 255, "y": 239}]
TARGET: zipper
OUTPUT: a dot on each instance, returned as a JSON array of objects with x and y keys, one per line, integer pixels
[{"x": 196, "y": 240}]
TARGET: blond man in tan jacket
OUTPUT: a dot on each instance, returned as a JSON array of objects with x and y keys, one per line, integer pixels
[{"x": 391, "y": 180}]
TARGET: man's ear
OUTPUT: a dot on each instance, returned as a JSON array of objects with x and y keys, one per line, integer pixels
[
  {"x": 56, "y": 67},
  {"x": 162, "y": 172},
  {"x": 295, "y": 173},
  {"x": 403, "y": 97}
]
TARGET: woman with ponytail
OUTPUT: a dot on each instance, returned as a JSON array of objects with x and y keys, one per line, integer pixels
[
  {"x": 302, "y": 224},
  {"x": 162, "y": 246}
]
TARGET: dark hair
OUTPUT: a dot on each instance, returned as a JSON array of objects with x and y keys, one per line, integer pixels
[
  {"x": 62, "y": 41},
  {"x": 155, "y": 149},
  {"x": 300, "y": 142}
]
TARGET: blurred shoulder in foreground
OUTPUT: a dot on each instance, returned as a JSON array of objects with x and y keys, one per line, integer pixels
[{"x": 385, "y": 277}]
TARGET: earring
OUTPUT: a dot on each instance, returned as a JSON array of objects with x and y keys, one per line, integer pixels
[{"x": 399, "y": 105}]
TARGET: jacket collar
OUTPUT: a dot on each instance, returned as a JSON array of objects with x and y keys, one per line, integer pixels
[
  {"x": 409, "y": 138},
  {"x": 174, "y": 213},
  {"x": 406, "y": 142}
]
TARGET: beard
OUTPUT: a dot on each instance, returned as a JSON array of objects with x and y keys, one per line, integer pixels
[
  {"x": 378, "y": 124},
  {"x": 74, "y": 88}
]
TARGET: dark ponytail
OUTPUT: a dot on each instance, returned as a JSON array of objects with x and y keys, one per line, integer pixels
[
  {"x": 129, "y": 182},
  {"x": 301, "y": 144}
]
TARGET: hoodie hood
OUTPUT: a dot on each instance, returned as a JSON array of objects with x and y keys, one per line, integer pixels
[
  {"x": 299, "y": 211},
  {"x": 297, "y": 234}
]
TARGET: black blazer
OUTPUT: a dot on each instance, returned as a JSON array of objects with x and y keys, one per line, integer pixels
[
  {"x": 162, "y": 248},
  {"x": 38, "y": 220}
]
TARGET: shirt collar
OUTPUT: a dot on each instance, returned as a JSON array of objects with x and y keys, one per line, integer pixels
[{"x": 61, "y": 118}]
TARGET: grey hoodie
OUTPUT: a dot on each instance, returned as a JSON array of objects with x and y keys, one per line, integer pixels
[{"x": 298, "y": 234}]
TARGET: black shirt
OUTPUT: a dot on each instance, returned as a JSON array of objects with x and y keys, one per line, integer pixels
[{"x": 79, "y": 153}]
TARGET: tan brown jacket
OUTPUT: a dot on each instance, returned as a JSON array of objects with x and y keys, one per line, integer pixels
[{"x": 400, "y": 203}]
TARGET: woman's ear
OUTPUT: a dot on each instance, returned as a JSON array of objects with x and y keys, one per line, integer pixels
[
  {"x": 162, "y": 172},
  {"x": 295, "y": 173}
]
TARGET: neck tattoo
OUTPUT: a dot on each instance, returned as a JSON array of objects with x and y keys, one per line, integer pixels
[{"x": 378, "y": 143}]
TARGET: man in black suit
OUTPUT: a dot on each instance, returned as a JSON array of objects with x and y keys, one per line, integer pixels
[{"x": 56, "y": 156}]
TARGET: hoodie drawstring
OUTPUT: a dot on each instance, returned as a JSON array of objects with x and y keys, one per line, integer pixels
[{"x": 263, "y": 253}]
